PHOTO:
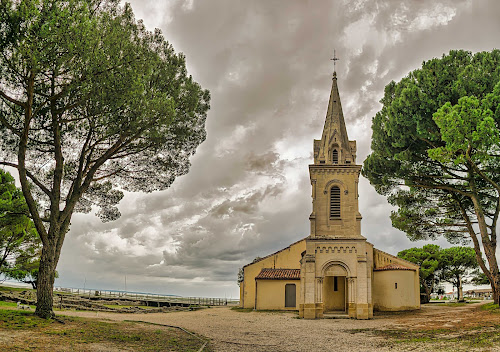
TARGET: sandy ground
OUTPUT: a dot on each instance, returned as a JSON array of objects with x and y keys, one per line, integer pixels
[
  {"x": 235, "y": 331},
  {"x": 263, "y": 331}
]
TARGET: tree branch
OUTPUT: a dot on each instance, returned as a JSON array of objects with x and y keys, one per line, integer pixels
[
  {"x": 31, "y": 176},
  {"x": 21, "y": 157},
  {"x": 445, "y": 188},
  {"x": 480, "y": 172},
  {"x": 12, "y": 100},
  {"x": 9, "y": 126}
]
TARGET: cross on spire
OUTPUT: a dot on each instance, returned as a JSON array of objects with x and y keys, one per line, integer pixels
[{"x": 334, "y": 59}]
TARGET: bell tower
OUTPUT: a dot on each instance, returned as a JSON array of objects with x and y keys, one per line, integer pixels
[
  {"x": 334, "y": 177},
  {"x": 336, "y": 267}
]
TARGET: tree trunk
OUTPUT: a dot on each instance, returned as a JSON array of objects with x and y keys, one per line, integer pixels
[
  {"x": 45, "y": 283},
  {"x": 495, "y": 288},
  {"x": 489, "y": 241},
  {"x": 494, "y": 272},
  {"x": 460, "y": 290},
  {"x": 427, "y": 290}
]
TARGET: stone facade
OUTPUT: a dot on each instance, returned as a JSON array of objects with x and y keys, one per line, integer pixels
[{"x": 339, "y": 270}]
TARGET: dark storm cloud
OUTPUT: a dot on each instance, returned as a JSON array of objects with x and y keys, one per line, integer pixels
[
  {"x": 267, "y": 66},
  {"x": 264, "y": 163}
]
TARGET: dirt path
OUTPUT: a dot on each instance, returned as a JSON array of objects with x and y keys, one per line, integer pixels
[{"x": 257, "y": 331}]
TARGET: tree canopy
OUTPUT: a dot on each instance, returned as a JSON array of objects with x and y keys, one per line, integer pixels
[
  {"x": 457, "y": 266},
  {"x": 18, "y": 237},
  {"x": 91, "y": 105},
  {"x": 428, "y": 258},
  {"x": 435, "y": 153}
]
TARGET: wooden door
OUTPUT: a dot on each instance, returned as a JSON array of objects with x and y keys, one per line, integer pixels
[{"x": 290, "y": 295}]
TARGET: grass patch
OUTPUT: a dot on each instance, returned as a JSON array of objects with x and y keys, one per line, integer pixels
[
  {"x": 242, "y": 310},
  {"x": 19, "y": 319},
  {"x": 478, "y": 336},
  {"x": 23, "y": 331},
  {"x": 4, "y": 304},
  {"x": 14, "y": 289},
  {"x": 491, "y": 307},
  {"x": 451, "y": 304}
]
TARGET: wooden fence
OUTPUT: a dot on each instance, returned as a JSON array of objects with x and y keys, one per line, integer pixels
[{"x": 140, "y": 296}]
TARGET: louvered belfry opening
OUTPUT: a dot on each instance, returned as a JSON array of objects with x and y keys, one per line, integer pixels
[
  {"x": 335, "y": 156},
  {"x": 335, "y": 202}
]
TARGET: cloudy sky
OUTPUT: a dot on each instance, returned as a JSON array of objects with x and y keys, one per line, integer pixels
[{"x": 267, "y": 65}]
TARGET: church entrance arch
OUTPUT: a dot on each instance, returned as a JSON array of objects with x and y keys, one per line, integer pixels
[{"x": 335, "y": 288}]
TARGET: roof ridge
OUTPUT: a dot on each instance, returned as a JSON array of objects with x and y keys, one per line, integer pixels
[
  {"x": 396, "y": 257},
  {"x": 393, "y": 266},
  {"x": 270, "y": 255}
]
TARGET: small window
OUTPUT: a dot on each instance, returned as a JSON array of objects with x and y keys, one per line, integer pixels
[
  {"x": 335, "y": 202},
  {"x": 321, "y": 161},
  {"x": 335, "y": 156},
  {"x": 335, "y": 284},
  {"x": 396, "y": 285}
]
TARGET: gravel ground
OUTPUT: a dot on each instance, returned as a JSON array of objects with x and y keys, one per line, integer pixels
[
  {"x": 264, "y": 331},
  {"x": 255, "y": 331}
]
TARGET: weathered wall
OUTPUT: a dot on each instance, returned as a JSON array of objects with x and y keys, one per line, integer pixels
[
  {"x": 323, "y": 178},
  {"x": 386, "y": 297},
  {"x": 288, "y": 258},
  {"x": 271, "y": 294}
]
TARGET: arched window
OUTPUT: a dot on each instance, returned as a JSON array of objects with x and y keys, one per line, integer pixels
[
  {"x": 335, "y": 202},
  {"x": 335, "y": 156}
]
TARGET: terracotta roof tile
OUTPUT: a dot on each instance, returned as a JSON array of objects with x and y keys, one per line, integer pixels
[
  {"x": 278, "y": 274},
  {"x": 393, "y": 267}
]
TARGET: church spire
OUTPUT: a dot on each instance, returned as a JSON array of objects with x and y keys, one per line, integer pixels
[{"x": 334, "y": 146}]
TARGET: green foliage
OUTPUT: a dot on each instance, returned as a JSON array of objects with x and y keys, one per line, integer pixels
[
  {"x": 427, "y": 258},
  {"x": 436, "y": 147},
  {"x": 491, "y": 307},
  {"x": 480, "y": 278},
  {"x": 26, "y": 267},
  {"x": 241, "y": 276},
  {"x": 457, "y": 263},
  {"x": 438, "y": 110},
  {"x": 119, "y": 95},
  {"x": 468, "y": 125},
  {"x": 91, "y": 105},
  {"x": 19, "y": 240}
]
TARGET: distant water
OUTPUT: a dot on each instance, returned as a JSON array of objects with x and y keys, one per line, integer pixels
[
  {"x": 15, "y": 284},
  {"x": 73, "y": 289}
]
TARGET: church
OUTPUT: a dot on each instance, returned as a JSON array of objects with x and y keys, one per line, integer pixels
[{"x": 334, "y": 271}]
